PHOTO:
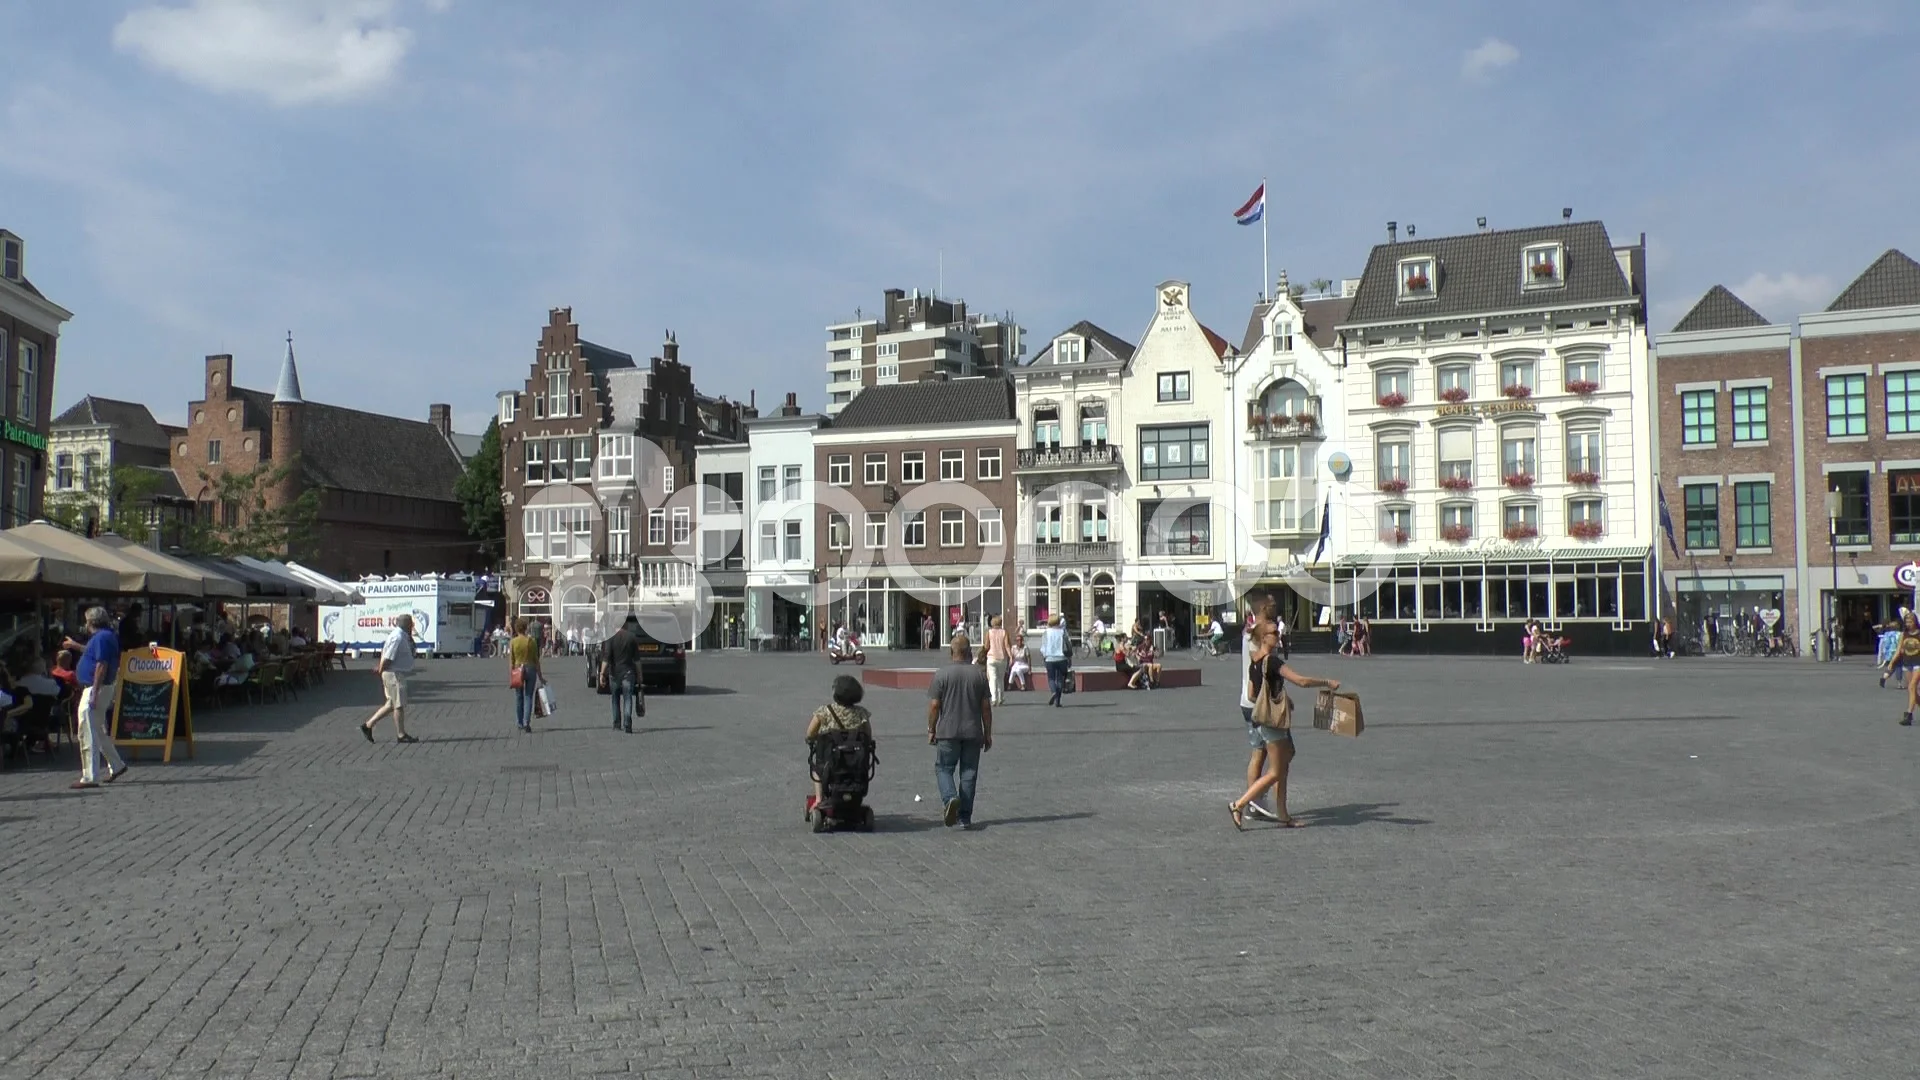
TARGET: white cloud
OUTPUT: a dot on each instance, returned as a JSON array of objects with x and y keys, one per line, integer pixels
[
  {"x": 1783, "y": 296},
  {"x": 292, "y": 52},
  {"x": 1488, "y": 57}
]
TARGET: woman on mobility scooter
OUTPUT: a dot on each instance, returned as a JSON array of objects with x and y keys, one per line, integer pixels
[{"x": 841, "y": 759}]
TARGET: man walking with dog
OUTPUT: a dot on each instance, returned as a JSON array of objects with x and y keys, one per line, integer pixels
[{"x": 960, "y": 728}]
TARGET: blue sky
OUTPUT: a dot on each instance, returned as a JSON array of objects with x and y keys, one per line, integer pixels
[{"x": 409, "y": 185}]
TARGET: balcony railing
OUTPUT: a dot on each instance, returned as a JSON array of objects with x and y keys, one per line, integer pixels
[
  {"x": 1070, "y": 457},
  {"x": 1082, "y": 552}
]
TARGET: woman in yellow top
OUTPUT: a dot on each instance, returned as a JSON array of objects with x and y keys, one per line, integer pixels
[
  {"x": 523, "y": 671},
  {"x": 844, "y": 713}
]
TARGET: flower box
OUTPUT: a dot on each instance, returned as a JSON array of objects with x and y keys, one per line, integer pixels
[
  {"x": 1417, "y": 283},
  {"x": 1257, "y": 424},
  {"x": 1393, "y": 536},
  {"x": 1517, "y": 390},
  {"x": 1521, "y": 532},
  {"x": 1456, "y": 533},
  {"x": 1543, "y": 270},
  {"x": 1586, "y": 530},
  {"x": 1307, "y": 422},
  {"x": 1583, "y": 387},
  {"x": 1583, "y": 478},
  {"x": 1457, "y": 483},
  {"x": 1394, "y": 486},
  {"x": 1392, "y": 400},
  {"x": 1518, "y": 481},
  {"x": 1454, "y": 394}
]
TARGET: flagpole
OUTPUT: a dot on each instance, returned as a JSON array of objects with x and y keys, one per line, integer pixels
[{"x": 1266, "y": 279}]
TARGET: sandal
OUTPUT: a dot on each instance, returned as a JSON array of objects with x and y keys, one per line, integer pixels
[
  {"x": 1292, "y": 823},
  {"x": 1239, "y": 824}
]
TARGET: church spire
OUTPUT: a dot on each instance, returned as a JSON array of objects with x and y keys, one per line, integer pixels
[{"x": 288, "y": 393}]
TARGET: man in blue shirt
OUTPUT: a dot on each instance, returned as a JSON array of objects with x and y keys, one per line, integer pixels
[
  {"x": 98, "y": 671},
  {"x": 1053, "y": 650}
]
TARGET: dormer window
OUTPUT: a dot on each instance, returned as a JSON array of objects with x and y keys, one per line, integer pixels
[
  {"x": 1417, "y": 278},
  {"x": 1068, "y": 350},
  {"x": 1283, "y": 335},
  {"x": 13, "y": 257},
  {"x": 1545, "y": 266}
]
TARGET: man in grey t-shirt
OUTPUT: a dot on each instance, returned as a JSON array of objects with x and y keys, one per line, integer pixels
[{"x": 960, "y": 726}]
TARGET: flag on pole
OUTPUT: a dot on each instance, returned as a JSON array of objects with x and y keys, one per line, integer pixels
[
  {"x": 1326, "y": 529},
  {"x": 1666, "y": 523},
  {"x": 1255, "y": 207}
]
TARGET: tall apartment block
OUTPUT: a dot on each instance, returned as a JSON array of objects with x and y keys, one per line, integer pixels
[{"x": 913, "y": 338}]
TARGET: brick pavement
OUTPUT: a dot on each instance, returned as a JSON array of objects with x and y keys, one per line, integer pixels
[{"x": 1697, "y": 869}]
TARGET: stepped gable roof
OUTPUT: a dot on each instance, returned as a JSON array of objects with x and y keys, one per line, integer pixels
[
  {"x": 1719, "y": 309},
  {"x": 930, "y": 402},
  {"x": 1892, "y": 281}
]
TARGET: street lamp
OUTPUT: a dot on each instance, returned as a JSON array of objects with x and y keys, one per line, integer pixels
[{"x": 1832, "y": 606}]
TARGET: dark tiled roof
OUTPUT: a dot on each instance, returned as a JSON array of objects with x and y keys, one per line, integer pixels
[
  {"x": 1256, "y": 326},
  {"x": 258, "y": 405},
  {"x": 1892, "y": 281},
  {"x": 1324, "y": 315},
  {"x": 381, "y": 455},
  {"x": 1719, "y": 310},
  {"x": 600, "y": 359},
  {"x": 934, "y": 401},
  {"x": 169, "y": 482},
  {"x": 1113, "y": 345},
  {"x": 1481, "y": 272},
  {"x": 132, "y": 422}
]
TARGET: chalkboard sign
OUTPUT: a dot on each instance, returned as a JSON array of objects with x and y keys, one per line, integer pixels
[{"x": 151, "y": 707}]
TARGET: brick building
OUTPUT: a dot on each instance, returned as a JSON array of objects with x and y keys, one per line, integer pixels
[
  {"x": 29, "y": 341},
  {"x": 915, "y": 506},
  {"x": 597, "y": 460},
  {"x": 385, "y": 483},
  {"x": 1727, "y": 437},
  {"x": 916, "y": 337}
]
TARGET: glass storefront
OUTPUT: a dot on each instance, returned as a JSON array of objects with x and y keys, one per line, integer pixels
[
  {"x": 886, "y": 615},
  {"x": 1549, "y": 589}
]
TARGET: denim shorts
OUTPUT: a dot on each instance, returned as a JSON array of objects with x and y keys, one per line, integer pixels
[{"x": 1258, "y": 736}]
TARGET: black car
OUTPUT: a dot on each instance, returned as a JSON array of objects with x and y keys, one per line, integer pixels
[{"x": 662, "y": 664}]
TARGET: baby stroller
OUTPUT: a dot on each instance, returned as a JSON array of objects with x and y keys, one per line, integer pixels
[
  {"x": 843, "y": 762},
  {"x": 1555, "y": 649}
]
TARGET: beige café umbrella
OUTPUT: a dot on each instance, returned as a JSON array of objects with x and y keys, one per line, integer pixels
[
  {"x": 131, "y": 576},
  {"x": 25, "y": 563},
  {"x": 213, "y": 585}
]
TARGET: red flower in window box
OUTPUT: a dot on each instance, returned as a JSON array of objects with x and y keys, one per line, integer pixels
[
  {"x": 1394, "y": 486},
  {"x": 1393, "y": 399},
  {"x": 1583, "y": 387},
  {"x": 1457, "y": 483},
  {"x": 1543, "y": 269},
  {"x": 1583, "y": 478},
  {"x": 1521, "y": 532},
  {"x": 1393, "y": 536},
  {"x": 1306, "y": 422},
  {"x": 1586, "y": 530},
  {"x": 1257, "y": 424},
  {"x": 1519, "y": 481},
  {"x": 1454, "y": 394},
  {"x": 1456, "y": 533},
  {"x": 1517, "y": 391},
  {"x": 1417, "y": 282}
]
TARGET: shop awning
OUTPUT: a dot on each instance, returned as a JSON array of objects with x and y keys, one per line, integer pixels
[
  {"x": 296, "y": 588},
  {"x": 213, "y": 585},
  {"x": 25, "y": 563},
  {"x": 259, "y": 585},
  {"x": 131, "y": 575}
]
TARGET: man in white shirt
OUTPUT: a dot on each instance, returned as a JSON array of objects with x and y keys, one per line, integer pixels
[
  {"x": 1280, "y": 628},
  {"x": 396, "y": 664}
]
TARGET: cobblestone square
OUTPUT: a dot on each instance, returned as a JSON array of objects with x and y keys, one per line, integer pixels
[{"x": 1616, "y": 869}]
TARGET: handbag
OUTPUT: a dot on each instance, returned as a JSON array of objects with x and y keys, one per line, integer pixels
[
  {"x": 517, "y": 678},
  {"x": 1269, "y": 711}
]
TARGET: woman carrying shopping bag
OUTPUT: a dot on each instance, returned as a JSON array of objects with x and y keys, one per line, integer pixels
[
  {"x": 523, "y": 673},
  {"x": 1271, "y": 717}
]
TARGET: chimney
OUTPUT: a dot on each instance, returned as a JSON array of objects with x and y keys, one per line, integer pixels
[
  {"x": 1393, "y": 231},
  {"x": 1480, "y": 223},
  {"x": 792, "y": 407},
  {"x": 441, "y": 417},
  {"x": 670, "y": 351},
  {"x": 750, "y": 411}
]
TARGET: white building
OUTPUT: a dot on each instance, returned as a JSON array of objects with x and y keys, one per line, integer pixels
[
  {"x": 1071, "y": 474},
  {"x": 1177, "y": 524},
  {"x": 757, "y": 531},
  {"x": 1499, "y": 414},
  {"x": 722, "y": 469}
]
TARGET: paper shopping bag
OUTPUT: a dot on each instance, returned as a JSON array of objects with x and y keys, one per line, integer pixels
[
  {"x": 544, "y": 701},
  {"x": 1338, "y": 711}
]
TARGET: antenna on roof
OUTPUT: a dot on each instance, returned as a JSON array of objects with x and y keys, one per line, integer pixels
[
  {"x": 940, "y": 275},
  {"x": 1566, "y": 213},
  {"x": 1480, "y": 223},
  {"x": 1409, "y": 230}
]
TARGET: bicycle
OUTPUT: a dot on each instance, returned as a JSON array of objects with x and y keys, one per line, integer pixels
[{"x": 1208, "y": 649}]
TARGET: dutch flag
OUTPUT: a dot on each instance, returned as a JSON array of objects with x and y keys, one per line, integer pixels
[{"x": 1255, "y": 207}]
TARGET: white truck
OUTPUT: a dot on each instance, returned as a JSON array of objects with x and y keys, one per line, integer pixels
[{"x": 442, "y": 610}]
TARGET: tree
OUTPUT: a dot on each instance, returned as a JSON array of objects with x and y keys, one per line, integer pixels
[
  {"x": 479, "y": 492},
  {"x": 238, "y": 520},
  {"x": 111, "y": 500},
  {"x": 1320, "y": 285}
]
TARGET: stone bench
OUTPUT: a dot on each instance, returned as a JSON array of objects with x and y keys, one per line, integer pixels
[{"x": 917, "y": 678}]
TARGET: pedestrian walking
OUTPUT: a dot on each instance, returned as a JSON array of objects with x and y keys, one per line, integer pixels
[
  {"x": 524, "y": 674},
  {"x": 999, "y": 659},
  {"x": 1272, "y": 711},
  {"x": 1263, "y": 748},
  {"x": 98, "y": 672},
  {"x": 620, "y": 674},
  {"x": 394, "y": 668},
  {"x": 960, "y": 728},
  {"x": 926, "y": 632},
  {"x": 1053, "y": 653}
]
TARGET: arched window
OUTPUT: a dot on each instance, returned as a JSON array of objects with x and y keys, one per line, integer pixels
[{"x": 1284, "y": 398}]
